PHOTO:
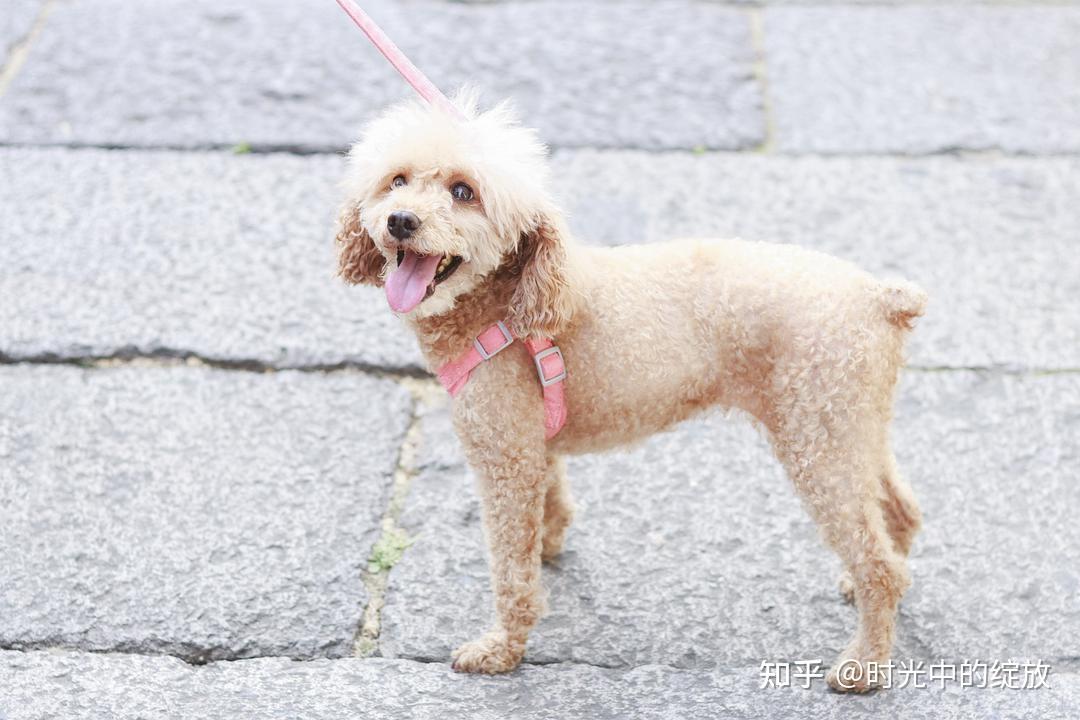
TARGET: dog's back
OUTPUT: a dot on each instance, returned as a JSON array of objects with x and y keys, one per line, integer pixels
[{"x": 669, "y": 329}]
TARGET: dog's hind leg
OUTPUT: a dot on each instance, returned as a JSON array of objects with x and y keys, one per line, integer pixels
[
  {"x": 880, "y": 578},
  {"x": 833, "y": 466},
  {"x": 900, "y": 511},
  {"x": 898, "y": 504},
  {"x": 558, "y": 508}
]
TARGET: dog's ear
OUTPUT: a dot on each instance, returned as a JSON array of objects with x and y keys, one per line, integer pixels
[
  {"x": 359, "y": 261},
  {"x": 542, "y": 302}
]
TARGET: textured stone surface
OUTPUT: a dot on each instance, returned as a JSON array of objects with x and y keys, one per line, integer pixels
[
  {"x": 43, "y": 685},
  {"x": 692, "y": 550},
  {"x": 231, "y": 257},
  {"x": 15, "y": 23},
  {"x": 298, "y": 74},
  {"x": 210, "y": 514},
  {"x": 993, "y": 241},
  {"x": 195, "y": 512},
  {"x": 924, "y": 79}
]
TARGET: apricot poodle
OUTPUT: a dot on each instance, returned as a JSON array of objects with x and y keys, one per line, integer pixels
[{"x": 453, "y": 216}]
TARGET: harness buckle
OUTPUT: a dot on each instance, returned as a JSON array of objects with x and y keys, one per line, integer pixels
[
  {"x": 507, "y": 341},
  {"x": 544, "y": 380}
]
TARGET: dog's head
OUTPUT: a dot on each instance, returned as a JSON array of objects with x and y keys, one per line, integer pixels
[{"x": 437, "y": 204}]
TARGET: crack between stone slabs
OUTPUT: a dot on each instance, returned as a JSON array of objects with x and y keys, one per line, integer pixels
[
  {"x": 1067, "y": 665},
  {"x": 167, "y": 357},
  {"x": 393, "y": 540},
  {"x": 48, "y": 648},
  {"x": 16, "y": 55},
  {"x": 431, "y": 660},
  {"x": 956, "y": 153},
  {"x": 188, "y": 653},
  {"x": 239, "y": 149},
  {"x": 749, "y": 149},
  {"x": 196, "y": 662},
  {"x": 760, "y": 72}
]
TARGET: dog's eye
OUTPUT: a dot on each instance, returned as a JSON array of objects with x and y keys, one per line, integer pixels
[
  {"x": 461, "y": 192},
  {"x": 399, "y": 181}
]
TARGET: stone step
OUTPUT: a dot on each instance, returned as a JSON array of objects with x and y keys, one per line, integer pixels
[
  {"x": 885, "y": 78},
  {"x": 993, "y": 241},
  {"x": 231, "y": 258},
  {"x": 195, "y": 512},
  {"x": 298, "y": 74},
  {"x": 924, "y": 79}
]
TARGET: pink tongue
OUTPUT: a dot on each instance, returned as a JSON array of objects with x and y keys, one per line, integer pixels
[{"x": 408, "y": 284}]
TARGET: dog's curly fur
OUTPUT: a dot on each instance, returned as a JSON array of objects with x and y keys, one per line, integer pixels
[{"x": 808, "y": 345}]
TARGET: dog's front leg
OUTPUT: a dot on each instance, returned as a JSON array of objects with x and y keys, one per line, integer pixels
[
  {"x": 558, "y": 509},
  {"x": 513, "y": 483}
]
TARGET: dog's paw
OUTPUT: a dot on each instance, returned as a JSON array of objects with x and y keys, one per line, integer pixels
[
  {"x": 553, "y": 545},
  {"x": 555, "y": 526},
  {"x": 491, "y": 654},
  {"x": 850, "y": 675},
  {"x": 846, "y": 585}
]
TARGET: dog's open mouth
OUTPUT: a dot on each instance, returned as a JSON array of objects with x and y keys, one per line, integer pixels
[
  {"x": 446, "y": 268},
  {"x": 416, "y": 277}
]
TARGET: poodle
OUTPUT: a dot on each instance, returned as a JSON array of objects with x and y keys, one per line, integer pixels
[{"x": 451, "y": 213}]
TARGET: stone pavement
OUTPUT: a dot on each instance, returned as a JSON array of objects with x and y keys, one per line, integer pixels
[{"x": 228, "y": 488}]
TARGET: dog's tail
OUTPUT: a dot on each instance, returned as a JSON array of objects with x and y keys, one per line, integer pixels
[{"x": 902, "y": 302}]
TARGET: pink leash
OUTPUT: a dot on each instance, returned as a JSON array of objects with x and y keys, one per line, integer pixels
[
  {"x": 401, "y": 63},
  {"x": 547, "y": 357}
]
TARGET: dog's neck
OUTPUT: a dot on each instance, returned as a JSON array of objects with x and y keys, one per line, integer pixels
[{"x": 444, "y": 337}]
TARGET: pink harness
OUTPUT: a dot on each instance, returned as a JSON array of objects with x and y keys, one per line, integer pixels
[{"x": 547, "y": 357}]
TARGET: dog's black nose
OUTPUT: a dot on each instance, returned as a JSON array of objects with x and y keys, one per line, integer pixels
[{"x": 402, "y": 224}]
